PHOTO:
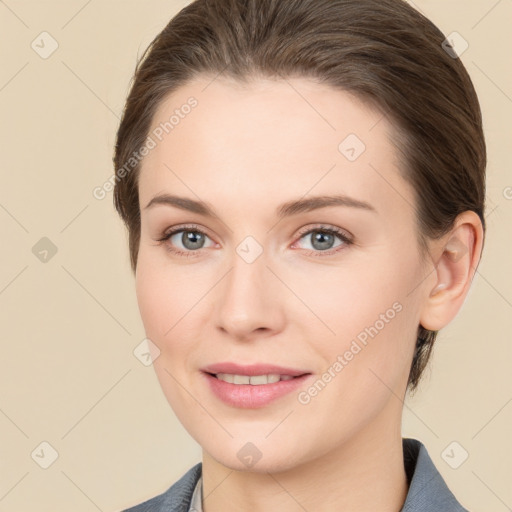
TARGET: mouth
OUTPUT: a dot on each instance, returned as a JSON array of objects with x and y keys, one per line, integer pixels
[
  {"x": 252, "y": 386},
  {"x": 253, "y": 380}
]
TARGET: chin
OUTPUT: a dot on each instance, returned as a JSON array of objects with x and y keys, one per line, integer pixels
[
  {"x": 258, "y": 457},
  {"x": 273, "y": 464}
]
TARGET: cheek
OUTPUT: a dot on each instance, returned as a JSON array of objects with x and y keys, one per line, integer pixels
[
  {"x": 349, "y": 297},
  {"x": 151, "y": 298},
  {"x": 369, "y": 319},
  {"x": 164, "y": 295},
  {"x": 162, "y": 302}
]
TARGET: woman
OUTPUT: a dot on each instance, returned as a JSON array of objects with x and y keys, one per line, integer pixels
[{"x": 303, "y": 183}]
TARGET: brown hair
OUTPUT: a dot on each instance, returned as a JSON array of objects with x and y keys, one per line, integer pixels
[{"x": 383, "y": 51}]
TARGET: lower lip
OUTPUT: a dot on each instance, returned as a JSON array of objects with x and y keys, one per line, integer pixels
[{"x": 247, "y": 396}]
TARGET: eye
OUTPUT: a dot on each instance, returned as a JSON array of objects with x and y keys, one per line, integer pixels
[
  {"x": 191, "y": 238},
  {"x": 323, "y": 238}
]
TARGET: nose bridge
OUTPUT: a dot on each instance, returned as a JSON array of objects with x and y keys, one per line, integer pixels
[
  {"x": 247, "y": 300},
  {"x": 244, "y": 282}
]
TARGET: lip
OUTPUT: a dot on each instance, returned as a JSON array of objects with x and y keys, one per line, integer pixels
[
  {"x": 252, "y": 369},
  {"x": 248, "y": 396}
]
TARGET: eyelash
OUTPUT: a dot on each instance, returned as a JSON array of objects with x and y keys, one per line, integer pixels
[{"x": 347, "y": 241}]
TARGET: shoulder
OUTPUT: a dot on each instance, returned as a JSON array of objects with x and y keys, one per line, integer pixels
[
  {"x": 176, "y": 498},
  {"x": 428, "y": 491}
]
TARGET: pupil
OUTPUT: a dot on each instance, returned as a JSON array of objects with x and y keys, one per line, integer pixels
[
  {"x": 319, "y": 240},
  {"x": 192, "y": 240}
]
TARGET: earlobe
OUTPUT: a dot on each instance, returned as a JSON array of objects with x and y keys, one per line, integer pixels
[{"x": 457, "y": 255}]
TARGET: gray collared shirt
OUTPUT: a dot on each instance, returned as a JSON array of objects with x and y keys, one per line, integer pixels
[{"x": 428, "y": 491}]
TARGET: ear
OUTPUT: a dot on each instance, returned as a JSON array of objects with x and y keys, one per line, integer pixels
[{"x": 456, "y": 256}]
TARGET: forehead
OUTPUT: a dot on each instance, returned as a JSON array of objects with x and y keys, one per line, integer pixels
[{"x": 267, "y": 138}]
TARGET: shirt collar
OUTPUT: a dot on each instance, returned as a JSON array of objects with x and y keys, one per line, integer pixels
[{"x": 197, "y": 497}]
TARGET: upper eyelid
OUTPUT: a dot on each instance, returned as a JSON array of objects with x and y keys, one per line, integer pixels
[
  {"x": 325, "y": 227},
  {"x": 301, "y": 231}
]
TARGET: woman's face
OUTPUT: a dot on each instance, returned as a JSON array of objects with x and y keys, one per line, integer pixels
[{"x": 325, "y": 296}]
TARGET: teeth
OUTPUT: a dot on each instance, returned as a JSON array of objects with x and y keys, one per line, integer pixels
[
  {"x": 241, "y": 379},
  {"x": 259, "y": 379},
  {"x": 226, "y": 377},
  {"x": 254, "y": 380}
]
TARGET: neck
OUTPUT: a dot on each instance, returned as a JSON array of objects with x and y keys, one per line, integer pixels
[{"x": 364, "y": 474}]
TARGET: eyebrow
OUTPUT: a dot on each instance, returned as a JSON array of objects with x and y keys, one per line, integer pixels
[{"x": 287, "y": 209}]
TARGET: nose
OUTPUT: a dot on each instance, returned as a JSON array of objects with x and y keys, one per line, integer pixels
[{"x": 249, "y": 301}]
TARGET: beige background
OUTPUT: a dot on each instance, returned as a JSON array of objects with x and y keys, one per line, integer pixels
[{"x": 69, "y": 326}]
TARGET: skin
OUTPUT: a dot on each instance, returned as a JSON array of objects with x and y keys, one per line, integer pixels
[{"x": 245, "y": 150}]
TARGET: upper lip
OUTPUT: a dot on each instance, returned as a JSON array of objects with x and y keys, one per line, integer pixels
[{"x": 251, "y": 369}]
